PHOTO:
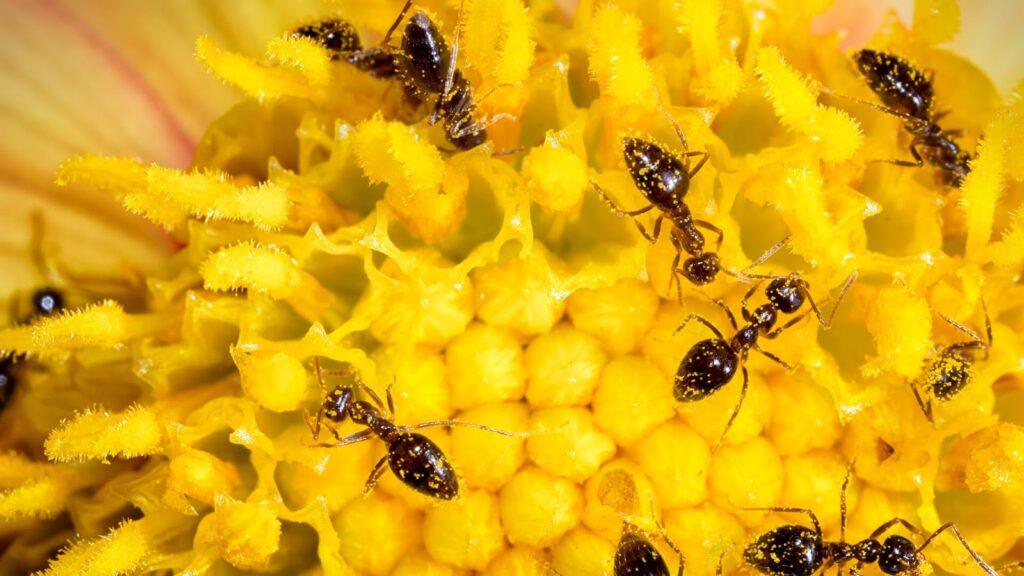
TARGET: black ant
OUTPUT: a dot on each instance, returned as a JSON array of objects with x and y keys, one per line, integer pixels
[
  {"x": 796, "y": 550},
  {"x": 907, "y": 93},
  {"x": 427, "y": 67},
  {"x": 711, "y": 364},
  {"x": 950, "y": 371},
  {"x": 664, "y": 179},
  {"x": 415, "y": 459},
  {"x": 45, "y": 302}
]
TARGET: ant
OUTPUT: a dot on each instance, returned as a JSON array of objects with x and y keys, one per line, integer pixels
[
  {"x": 45, "y": 302},
  {"x": 415, "y": 459},
  {"x": 796, "y": 550},
  {"x": 427, "y": 67},
  {"x": 950, "y": 371},
  {"x": 907, "y": 93},
  {"x": 664, "y": 179},
  {"x": 711, "y": 364}
]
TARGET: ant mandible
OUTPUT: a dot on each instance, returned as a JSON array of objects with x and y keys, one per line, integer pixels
[
  {"x": 950, "y": 371},
  {"x": 908, "y": 94},
  {"x": 796, "y": 550},
  {"x": 711, "y": 364},
  {"x": 415, "y": 459}
]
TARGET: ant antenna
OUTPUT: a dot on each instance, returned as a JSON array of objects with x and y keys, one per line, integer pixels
[
  {"x": 842, "y": 500},
  {"x": 394, "y": 26}
]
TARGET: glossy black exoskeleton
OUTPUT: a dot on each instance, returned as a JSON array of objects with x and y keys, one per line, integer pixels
[
  {"x": 427, "y": 68},
  {"x": 907, "y": 93},
  {"x": 711, "y": 364},
  {"x": 664, "y": 179},
  {"x": 47, "y": 301},
  {"x": 635, "y": 555},
  {"x": 949, "y": 371},
  {"x": 795, "y": 550},
  {"x": 415, "y": 459}
]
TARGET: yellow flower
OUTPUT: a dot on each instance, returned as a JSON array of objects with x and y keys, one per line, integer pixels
[{"x": 220, "y": 203}]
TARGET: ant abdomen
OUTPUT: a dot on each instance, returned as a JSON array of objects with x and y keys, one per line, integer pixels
[
  {"x": 898, "y": 84},
  {"x": 427, "y": 57},
  {"x": 421, "y": 465},
  {"x": 708, "y": 366},
  {"x": 659, "y": 174},
  {"x": 789, "y": 550}
]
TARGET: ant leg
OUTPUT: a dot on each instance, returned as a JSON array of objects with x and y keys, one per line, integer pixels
[
  {"x": 728, "y": 313},
  {"x": 839, "y": 299},
  {"x": 703, "y": 321},
  {"x": 960, "y": 537},
  {"x": 375, "y": 474},
  {"x": 319, "y": 374},
  {"x": 653, "y": 239},
  {"x": 706, "y": 155},
  {"x": 917, "y": 163},
  {"x": 842, "y": 501},
  {"x": 450, "y": 78},
  {"x": 353, "y": 438},
  {"x": 771, "y": 356},
  {"x": 713, "y": 228},
  {"x": 925, "y": 404},
  {"x": 482, "y": 124},
  {"x": 735, "y": 411},
  {"x": 468, "y": 425},
  {"x": 314, "y": 429},
  {"x": 809, "y": 512},
  {"x": 879, "y": 107},
  {"x": 394, "y": 25},
  {"x": 673, "y": 278},
  {"x": 615, "y": 208},
  {"x": 1012, "y": 566},
  {"x": 671, "y": 544}
]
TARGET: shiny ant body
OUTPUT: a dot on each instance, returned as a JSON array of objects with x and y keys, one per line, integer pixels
[
  {"x": 908, "y": 94},
  {"x": 711, "y": 364},
  {"x": 796, "y": 550},
  {"x": 664, "y": 179},
  {"x": 423, "y": 63},
  {"x": 950, "y": 371},
  {"x": 635, "y": 555},
  {"x": 415, "y": 459}
]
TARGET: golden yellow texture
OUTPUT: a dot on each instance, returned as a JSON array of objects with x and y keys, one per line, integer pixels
[{"x": 324, "y": 217}]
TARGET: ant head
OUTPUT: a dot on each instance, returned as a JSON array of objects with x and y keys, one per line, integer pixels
[
  {"x": 702, "y": 269},
  {"x": 898, "y": 556},
  {"x": 425, "y": 54},
  {"x": 46, "y": 301},
  {"x": 657, "y": 172},
  {"x": 787, "y": 293}
]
